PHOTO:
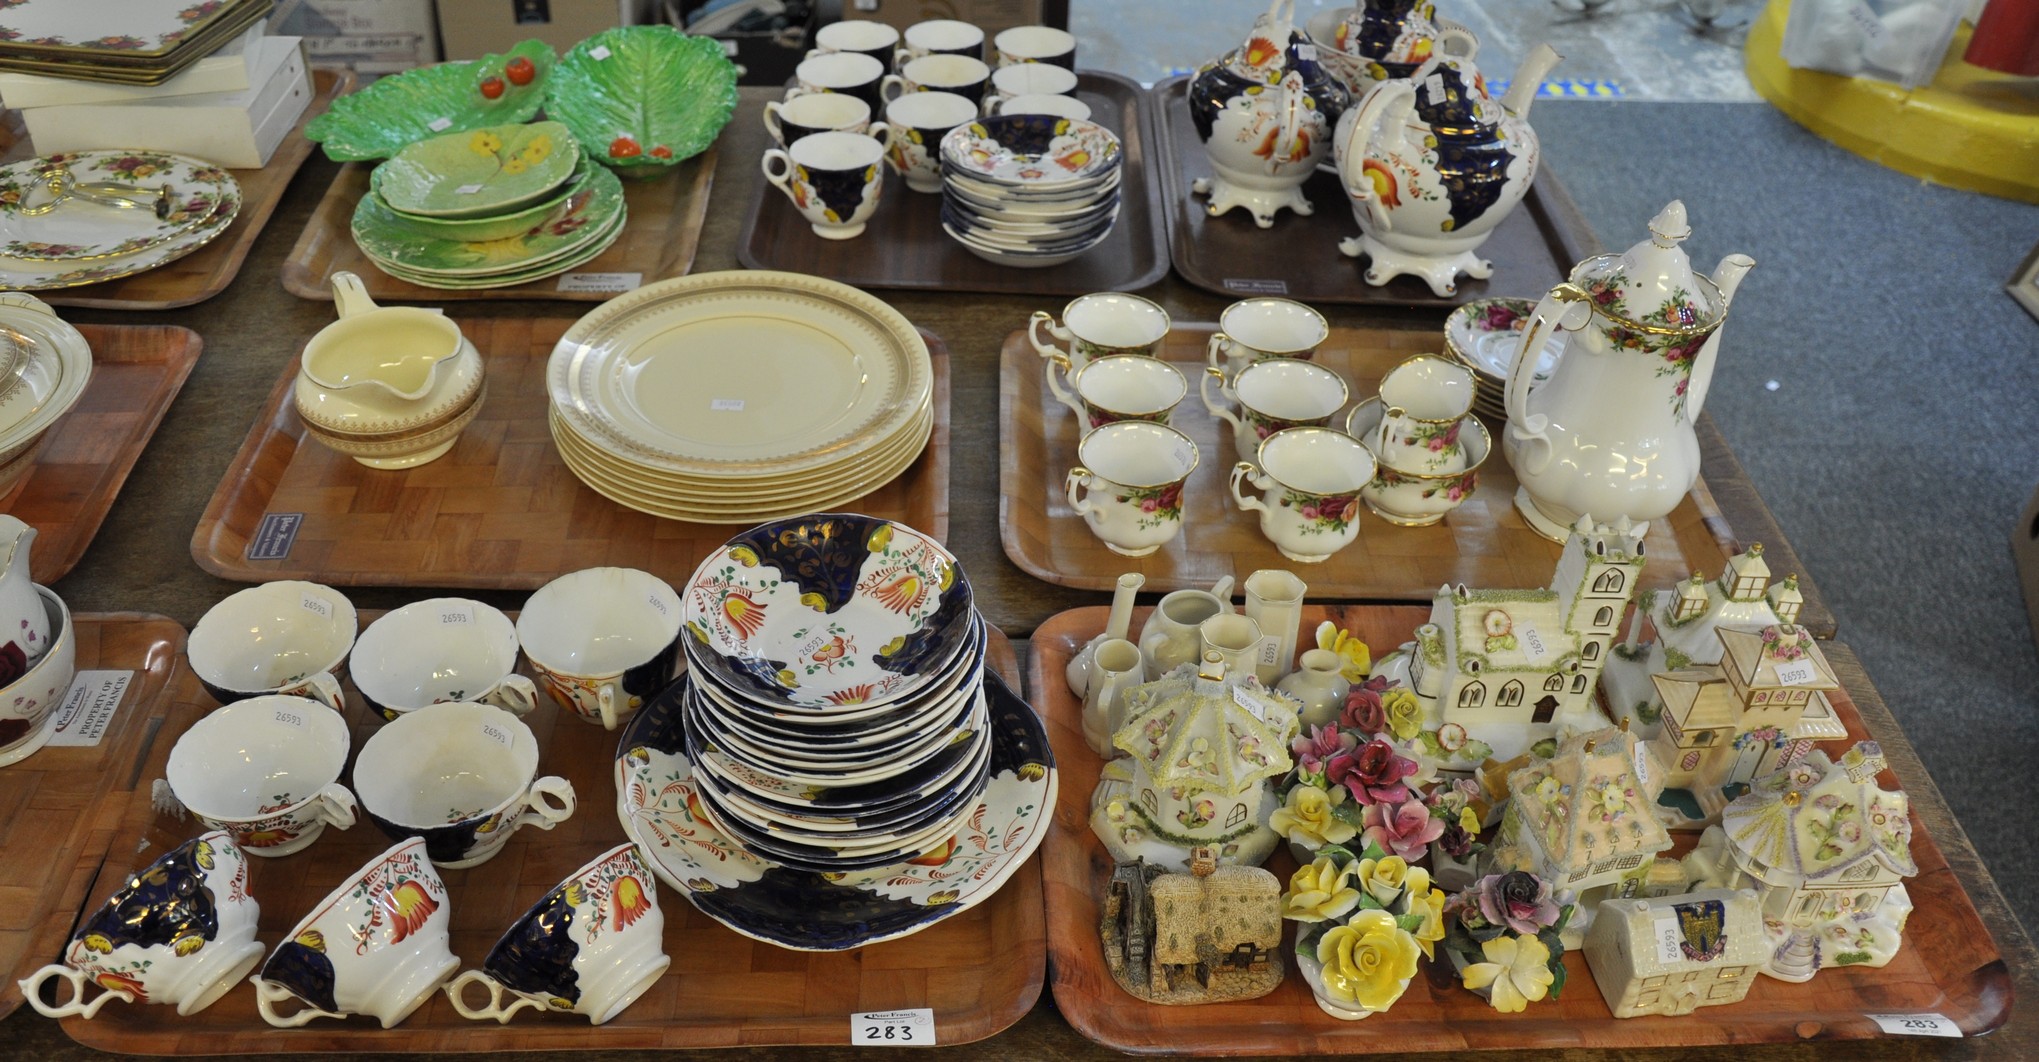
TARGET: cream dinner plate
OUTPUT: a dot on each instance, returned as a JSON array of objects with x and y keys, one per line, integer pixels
[{"x": 899, "y": 453}]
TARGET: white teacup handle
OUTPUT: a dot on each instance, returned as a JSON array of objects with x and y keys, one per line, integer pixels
[
  {"x": 902, "y": 56},
  {"x": 1047, "y": 350},
  {"x": 350, "y": 295},
  {"x": 1243, "y": 471},
  {"x": 993, "y": 102},
  {"x": 1218, "y": 351},
  {"x": 778, "y": 131},
  {"x": 1056, "y": 360},
  {"x": 336, "y": 806},
  {"x": 890, "y": 82},
  {"x": 779, "y": 179},
  {"x": 515, "y": 694},
  {"x": 605, "y": 705},
  {"x": 31, "y": 990},
  {"x": 1218, "y": 409},
  {"x": 269, "y": 993},
  {"x": 495, "y": 1009},
  {"x": 796, "y": 92},
  {"x": 321, "y": 687},
  {"x": 1078, "y": 479},
  {"x": 882, "y": 133},
  {"x": 549, "y": 802}
]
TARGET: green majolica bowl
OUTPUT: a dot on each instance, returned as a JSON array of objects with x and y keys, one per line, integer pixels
[
  {"x": 396, "y": 111},
  {"x": 385, "y": 236},
  {"x": 474, "y": 230},
  {"x": 482, "y": 173},
  {"x": 641, "y": 99}
]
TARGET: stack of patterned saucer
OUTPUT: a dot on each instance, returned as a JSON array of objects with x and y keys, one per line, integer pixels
[
  {"x": 86, "y": 216},
  {"x": 1483, "y": 335},
  {"x": 731, "y": 398},
  {"x": 1030, "y": 190},
  {"x": 838, "y": 766},
  {"x": 488, "y": 208}
]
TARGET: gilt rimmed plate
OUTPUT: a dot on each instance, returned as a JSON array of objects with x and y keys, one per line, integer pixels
[
  {"x": 895, "y": 454},
  {"x": 657, "y": 802},
  {"x": 216, "y": 199},
  {"x": 82, "y": 229}
]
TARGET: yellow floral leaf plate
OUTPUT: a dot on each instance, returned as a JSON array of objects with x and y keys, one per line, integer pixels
[
  {"x": 384, "y": 236},
  {"x": 478, "y": 174}
]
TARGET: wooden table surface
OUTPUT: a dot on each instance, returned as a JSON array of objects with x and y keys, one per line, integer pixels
[{"x": 141, "y": 561}]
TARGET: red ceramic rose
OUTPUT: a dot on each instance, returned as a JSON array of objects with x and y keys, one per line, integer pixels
[{"x": 1372, "y": 773}]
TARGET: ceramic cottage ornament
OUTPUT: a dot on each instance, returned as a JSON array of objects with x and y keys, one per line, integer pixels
[
  {"x": 1610, "y": 431},
  {"x": 1434, "y": 164},
  {"x": 1212, "y": 935},
  {"x": 1265, "y": 113},
  {"x": 1201, "y": 747},
  {"x": 1675, "y": 954}
]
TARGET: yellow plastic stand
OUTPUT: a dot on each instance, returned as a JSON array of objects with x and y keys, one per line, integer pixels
[{"x": 1970, "y": 128}]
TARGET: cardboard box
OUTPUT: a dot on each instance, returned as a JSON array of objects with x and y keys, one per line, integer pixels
[
  {"x": 989, "y": 15},
  {"x": 470, "y": 29},
  {"x": 239, "y": 130},
  {"x": 372, "y": 36}
]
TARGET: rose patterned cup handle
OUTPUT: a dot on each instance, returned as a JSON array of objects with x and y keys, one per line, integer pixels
[
  {"x": 269, "y": 993},
  {"x": 1217, "y": 409},
  {"x": 1056, "y": 360},
  {"x": 31, "y": 990},
  {"x": 495, "y": 1009},
  {"x": 549, "y": 802},
  {"x": 336, "y": 806},
  {"x": 1244, "y": 471},
  {"x": 516, "y": 695},
  {"x": 1047, "y": 350},
  {"x": 321, "y": 687},
  {"x": 1078, "y": 479}
]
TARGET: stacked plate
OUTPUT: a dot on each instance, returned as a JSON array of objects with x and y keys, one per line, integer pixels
[
  {"x": 44, "y": 367},
  {"x": 488, "y": 208},
  {"x": 738, "y": 397},
  {"x": 1030, "y": 190},
  {"x": 837, "y": 738},
  {"x": 1483, "y": 335},
  {"x": 88, "y": 216}
]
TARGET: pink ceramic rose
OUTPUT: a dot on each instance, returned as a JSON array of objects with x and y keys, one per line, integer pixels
[
  {"x": 1518, "y": 899},
  {"x": 1372, "y": 773},
  {"x": 1405, "y": 829},
  {"x": 1364, "y": 711}
]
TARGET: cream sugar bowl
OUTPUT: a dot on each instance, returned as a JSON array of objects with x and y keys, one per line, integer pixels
[
  {"x": 1419, "y": 499},
  {"x": 1310, "y": 480},
  {"x": 267, "y": 771},
  {"x": 1116, "y": 388},
  {"x": 376, "y": 945},
  {"x": 438, "y": 650},
  {"x": 463, "y": 777},
  {"x": 1274, "y": 396},
  {"x": 285, "y": 637},
  {"x": 181, "y": 932},
  {"x": 1128, "y": 484},
  {"x": 391, "y": 387}
]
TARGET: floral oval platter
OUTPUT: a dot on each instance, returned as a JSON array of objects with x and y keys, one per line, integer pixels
[
  {"x": 658, "y": 801},
  {"x": 496, "y": 170},
  {"x": 82, "y": 242}
]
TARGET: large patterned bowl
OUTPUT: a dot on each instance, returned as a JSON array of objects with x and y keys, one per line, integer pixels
[
  {"x": 1032, "y": 151},
  {"x": 823, "y": 612}
]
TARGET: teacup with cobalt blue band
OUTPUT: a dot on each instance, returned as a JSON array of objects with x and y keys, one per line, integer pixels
[
  {"x": 919, "y": 121},
  {"x": 833, "y": 179},
  {"x": 266, "y": 770},
  {"x": 465, "y": 815},
  {"x": 875, "y": 39},
  {"x": 285, "y": 637},
  {"x": 816, "y": 112},
  {"x": 438, "y": 650}
]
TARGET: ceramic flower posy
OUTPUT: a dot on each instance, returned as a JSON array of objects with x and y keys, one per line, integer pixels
[
  {"x": 1503, "y": 934},
  {"x": 1366, "y": 920}
]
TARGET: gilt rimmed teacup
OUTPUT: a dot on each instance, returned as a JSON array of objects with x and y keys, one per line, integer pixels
[
  {"x": 463, "y": 776},
  {"x": 849, "y": 73},
  {"x": 1128, "y": 484},
  {"x": 1253, "y": 330},
  {"x": 834, "y": 179},
  {"x": 1424, "y": 401},
  {"x": 602, "y": 640},
  {"x": 376, "y": 945},
  {"x": 180, "y": 932},
  {"x": 875, "y": 39},
  {"x": 1419, "y": 499},
  {"x": 1310, "y": 481},
  {"x": 1100, "y": 325},
  {"x": 1047, "y": 45},
  {"x": 267, "y": 771},
  {"x": 816, "y": 112},
  {"x": 919, "y": 121},
  {"x": 286, "y": 637},
  {"x": 438, "y": 650},
  {"x": 962, "y": 75},
  {"x": 1028, "y": 79},
  {"x": 938, "y": 36},
  {"x": 1116, "y": 388},
  {"x": 1040, "y": 103},
  {"x": 592, "y": 946},
  {"x": 1274, "y": 396}
]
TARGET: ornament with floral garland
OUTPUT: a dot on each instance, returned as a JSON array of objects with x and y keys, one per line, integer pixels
[
  {"x": 1365, "y": 921},
  {"x": 1502, "y": 935}
]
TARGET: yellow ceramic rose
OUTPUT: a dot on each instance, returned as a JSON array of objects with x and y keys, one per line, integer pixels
[
  {"x": 1383, "y": 878},
  {"x": 1306, "y": 819},
  {"x": 1468, "y": 821},
  {"x": 1517, "y": 973},
  {"x": 1403, "y": 712},
  {"x": 1367, "y": 961},
  {"x": 1320, "y": 892},
  {"x": 1358, "y": 661},
  {"x": 1429, "y": 903}
]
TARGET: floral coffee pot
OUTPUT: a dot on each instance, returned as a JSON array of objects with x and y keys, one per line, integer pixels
[
  {"x": 1610, "y": 432},
  {"x": 1265, "y": 114},
  {"x": 1384, "y": 39},
  {"x": 24, "y": 623},
  {"x": 1434, "y": 164}
]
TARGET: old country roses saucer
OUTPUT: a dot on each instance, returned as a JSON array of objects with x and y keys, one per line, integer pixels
[{"x": 62, "y": 222}]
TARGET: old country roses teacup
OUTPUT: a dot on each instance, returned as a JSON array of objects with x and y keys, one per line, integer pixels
[
  {"x": 1310, "y": 479},
  {"x": 1128, "y": 485}
]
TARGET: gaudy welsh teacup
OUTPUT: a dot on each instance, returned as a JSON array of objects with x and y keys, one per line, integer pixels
[
  {"x": 1120, "y": 387},
  {"x": 376, "y": 945},
  {"x": 437, "y": 650},
  {"x": 1028, "y": 79},
  {"x": 919, "y": 120},
  {"x": 592, "y": 946},
  {"x": 833, "y": 179},
  {"x": 875, "y": 39},
  {"x": 1253, "y": 330},
  {"x": 1041, "y": 103},
  {"x": 848, "y": 73},
  {"x": 939, "y": 36},
  {"x": 1035, "y": 45},
  {"x": 961, "y": 75},
  {"x": 285, "y": 637},
  {"x": 1418, "y": 499},
  {"x": 602, "y": 640},
  {"x": 1425, "y": 401},
  {"x": 817, "y": 112},
  {"x": 1100, "y": 325},
  {"x": 1274, "y": 396},
  {"x": 267, "y": 771},
  {"x": 462, "y": 776},
  {"x": 1128, "y": 484},
  {"x": 181, "y": 932},
  {"x": 1310, "y": 479}
]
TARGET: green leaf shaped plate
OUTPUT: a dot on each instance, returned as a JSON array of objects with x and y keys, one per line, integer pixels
[
  {"x": 580, "y": 257},
  {"x": 497, "y": 226},
  {"x": 397, "y": 111},
  {"x": 386, "y": 238},
  {"x": 643, "y": 97},
  {"x": 482, "y": 173}
]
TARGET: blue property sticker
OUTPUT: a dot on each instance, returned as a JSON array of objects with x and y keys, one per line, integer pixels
[{"x": 275, "y": 536}]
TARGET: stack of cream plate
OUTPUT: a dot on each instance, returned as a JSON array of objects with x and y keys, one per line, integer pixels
[{"x": 740, "y": 397}]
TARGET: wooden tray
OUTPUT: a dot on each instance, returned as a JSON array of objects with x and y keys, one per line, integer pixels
[
  {"x": 1484, "y": 543},
  {"x": 905, "y": 247},
  {"x": 659, "y": 241},
  {"x": 1948, "y": 963},
  {"x": 136, "y": 371},
  {"x": 979, "y": 971},
  {"x": 61, "y": 807},
  {"x": 1534, "y": 248},
  {"x": 501, "y": 511},
  {"x": 207, "y": 271}
]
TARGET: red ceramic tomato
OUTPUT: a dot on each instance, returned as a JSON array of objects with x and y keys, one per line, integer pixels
[
  {"x": 520, "y": 71},
  {"x": 492, "y": 88}
]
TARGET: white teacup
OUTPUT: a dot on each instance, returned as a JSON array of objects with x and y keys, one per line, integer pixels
[
  {"x": 939, "y": 36},
  {"x": 1043, "y": 45},
  {"x": 1253, "y": 330},
  {"x": 267, "y": 771},
  {"x": 376, "y": 945},
  {"x": 284, "y": 637},
  {"x": 833, "y": 179},
  {"x": 850, "y": 73},
  {"x": 1274, "y": 396},
  {"x": 1425, "y": 400},
  {"x": 875, "y": 39},
  {"x": 602, "y": 640},
  {"x": 1120, "y": 387},
  {"x": 1029, "y": 79},
  {"x": 818, "y": 112},
  {"x": 919, "y": 120},
  {"x": 1128, "y": 484},
  {"x": 462, "y": 776},
  {"x": 1310, "y": 479},
  {"x": 437, "y": 650},
  {"x": 1040, "y": 103},
  {"x": 1419, "y": 499},
  {"x": 605, "y": 915},
  {"x": 1100, "y": 325},
  {"x": 963, "y": 75},
  {"x": 181, "y": 932}
]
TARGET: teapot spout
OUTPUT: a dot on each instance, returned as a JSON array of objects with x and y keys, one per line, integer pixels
[
  {"x": 1537, "y": 65},
  {"x": 1729, "y": 273}
]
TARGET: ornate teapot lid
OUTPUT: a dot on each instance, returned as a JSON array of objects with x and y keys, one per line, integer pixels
[
  {"x": 1652, "y": 283},
  {"x": 1273, "y": 49},
  {"x": 1388, "y": 31},
  {"x": 1452, "y": 98}
]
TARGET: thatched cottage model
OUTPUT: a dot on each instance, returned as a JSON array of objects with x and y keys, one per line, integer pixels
[{"x": 1208, "y": 936}]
